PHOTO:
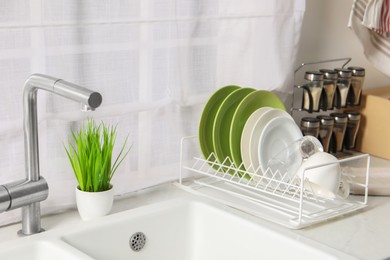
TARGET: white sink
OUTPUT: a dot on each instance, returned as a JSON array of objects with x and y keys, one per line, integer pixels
[
  {"x": 191, "y": 229},
  {"x": 176, "y": 224}
]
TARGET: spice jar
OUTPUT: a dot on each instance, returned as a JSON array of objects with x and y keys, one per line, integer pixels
[
  {"x": 326, "y": 130},
  {"x": 310, "y": 126},
  {"x": 357, "y": 81},
  {"x": 339, "y": 128},
  {"x": 343, "y": 85},
  {"x": 352, "y": 129},
  {"x": 313, "y": 90},
  {"x": 330, "y": 84}
]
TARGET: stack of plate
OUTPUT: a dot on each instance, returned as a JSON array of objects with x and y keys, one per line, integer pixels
[{"x": 245, "y": 127}]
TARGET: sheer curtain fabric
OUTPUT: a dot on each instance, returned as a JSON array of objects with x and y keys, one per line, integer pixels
[{"x": 154, "y": 61}]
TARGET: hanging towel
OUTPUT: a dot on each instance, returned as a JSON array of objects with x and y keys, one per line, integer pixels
[
  {"x": 376, "y": 46},
  {"x": 372, "y": 14},
  {"x": 377, "y": 16},
  {"x": 385, "y": 18}
]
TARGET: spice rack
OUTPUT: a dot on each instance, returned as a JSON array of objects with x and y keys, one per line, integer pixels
[
  {"x": 297, "y": 100},
  {"x": 340, "y": 142},
  {"x": 269, "y": 196}
]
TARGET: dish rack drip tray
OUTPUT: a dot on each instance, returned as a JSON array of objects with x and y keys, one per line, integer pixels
[{"x": 267, "y": 196}]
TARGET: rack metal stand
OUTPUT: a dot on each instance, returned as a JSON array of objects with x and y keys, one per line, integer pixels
[{"x": 268, "y": 195}]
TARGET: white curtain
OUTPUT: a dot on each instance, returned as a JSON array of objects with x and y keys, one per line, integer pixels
[{"x": 154, "y": 61}]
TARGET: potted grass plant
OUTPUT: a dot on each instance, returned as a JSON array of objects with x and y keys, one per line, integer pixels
[{"x": 90, "y": 153}]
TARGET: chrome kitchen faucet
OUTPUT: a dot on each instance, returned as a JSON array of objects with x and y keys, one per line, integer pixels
[{"x": 28, "y": 193}]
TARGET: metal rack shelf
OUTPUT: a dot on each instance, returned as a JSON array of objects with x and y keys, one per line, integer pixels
[{"x": 269, "y": 195}]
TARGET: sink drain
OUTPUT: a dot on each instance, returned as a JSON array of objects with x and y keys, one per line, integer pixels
[{"x": 137, "y": 241}]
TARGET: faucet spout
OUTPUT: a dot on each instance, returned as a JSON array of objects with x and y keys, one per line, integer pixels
[
  {"x": 72, "y": 91},
  {"x": 31, "y": 222},
  {"x": 62, "y": 88}
]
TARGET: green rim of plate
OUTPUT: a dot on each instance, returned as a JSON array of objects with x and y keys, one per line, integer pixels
[
  {"x": 222, "y": 123},
  {"x": 205, "y": 130},
  {"x": 252, "y": 102}
]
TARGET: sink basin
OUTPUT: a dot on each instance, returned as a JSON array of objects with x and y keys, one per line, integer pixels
[
  {"x": 175, "y": 225},
  {"x": 190, "y": 229}
]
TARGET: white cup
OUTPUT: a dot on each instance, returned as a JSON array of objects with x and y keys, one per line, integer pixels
[{"x": 321, "y": 174}]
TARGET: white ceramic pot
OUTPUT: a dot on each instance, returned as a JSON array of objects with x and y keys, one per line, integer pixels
[{"x": 94, "y": 204}]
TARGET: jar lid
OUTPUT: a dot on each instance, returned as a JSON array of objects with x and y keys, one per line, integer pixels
[
  {"x": 357, "y": 71},
  {"x": 340, "y": 117},
  {"x": 310, "y": 122},
  {"x": 329, "y": 74},
  {"x": 326, "y": 120},
  {"x": 352, "y": 115},
  {"x": 314, "y": 75},
  {"x": 344, "y": 73}
]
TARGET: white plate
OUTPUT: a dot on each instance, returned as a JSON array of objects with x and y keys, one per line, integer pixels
[
  {"x": 246, "y": 136},
  {"x": 256, "y": 132},
  {"x": 276, "y": 136}
]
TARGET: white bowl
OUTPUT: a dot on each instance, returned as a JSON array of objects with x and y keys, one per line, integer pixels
[{"x": 321, "y": 174}]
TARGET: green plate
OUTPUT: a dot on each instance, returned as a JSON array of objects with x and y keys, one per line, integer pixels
[
  {"x": 252, "y": 102},
  {"x": 205, "y": 131},
  {"x": 223, "y": 120}
]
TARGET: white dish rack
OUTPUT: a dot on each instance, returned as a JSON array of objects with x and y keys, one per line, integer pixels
[{"x": 267, "y": 195}]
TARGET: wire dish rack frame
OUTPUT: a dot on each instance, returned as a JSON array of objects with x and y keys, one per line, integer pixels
[{"x": 270, "y": 195}]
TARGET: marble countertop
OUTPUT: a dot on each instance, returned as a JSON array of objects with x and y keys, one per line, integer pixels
[{"x": 364, "y": 234}]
